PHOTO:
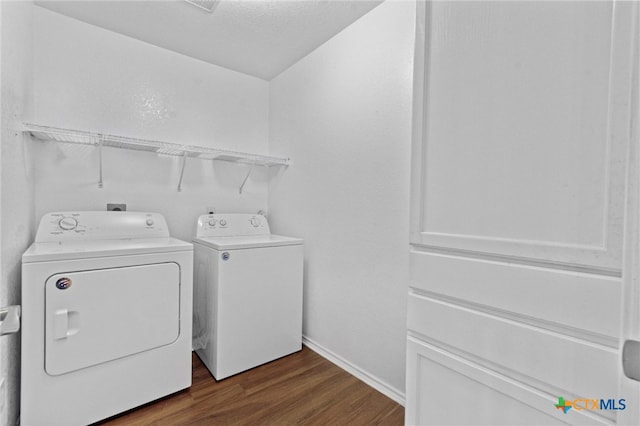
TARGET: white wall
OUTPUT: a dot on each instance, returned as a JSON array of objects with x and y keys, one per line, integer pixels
[
  {"x": 16, "y": 189},
  {"x": 89, "y": 78},
  {"x": 343, "y": 115}
]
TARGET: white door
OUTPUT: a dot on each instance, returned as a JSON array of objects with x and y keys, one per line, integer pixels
[{"x": 522, "y": 118}]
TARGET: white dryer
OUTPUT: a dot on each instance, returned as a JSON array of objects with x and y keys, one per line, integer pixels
[
  {"x": 106, "y": 316},
  {"x": 247, "y": 293}
]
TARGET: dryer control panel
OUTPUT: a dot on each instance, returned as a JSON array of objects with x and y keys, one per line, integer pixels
[
  {"x": 100, "y": 225},
  {"x": 232, "y": 224}
]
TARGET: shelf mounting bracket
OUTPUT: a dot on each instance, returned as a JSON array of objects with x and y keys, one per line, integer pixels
[
  {"x": 184, "y": 162},
  {"x": 247, "y": 176},
  {"x": 9, "y": 320},
  {"x": 100, "y": 144}
]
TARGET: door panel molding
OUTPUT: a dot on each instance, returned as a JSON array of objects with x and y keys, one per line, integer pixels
[
  {"x": 546, "y": 264},
  {"x": 546, "y": 356},
  {"x": 423, "y": 355},
  {"x": 575, "y": 303},
  {"x": 554, "y": 327},
  {"x": 550, "y": 389},
  {"x": 605, "y": 255}
]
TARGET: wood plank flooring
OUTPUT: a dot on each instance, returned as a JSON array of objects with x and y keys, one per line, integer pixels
[{"x": 301, "y": 389}]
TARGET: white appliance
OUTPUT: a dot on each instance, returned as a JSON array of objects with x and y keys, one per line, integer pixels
[
  {"x": 247, "y": 293},
  {"x": 106, "y": 316}
]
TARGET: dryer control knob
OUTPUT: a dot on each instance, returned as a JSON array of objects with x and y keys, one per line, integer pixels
[
  {"x": 212, "y": 222},
  {"x": 68, "y": 223},
  {"x": 149, "y": 222},
  {"x": 223, "y": 222},
  {"x": 255, "y": 221}
]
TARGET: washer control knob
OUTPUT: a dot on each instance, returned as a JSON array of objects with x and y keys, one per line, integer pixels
[
  {"x": 149, "y": 222},
  {"x": 223, "y": 222},
  {"x": 255, "y": 221},
  {"x": 68, "y": 223},
  {"x": 212, "y": 222}
]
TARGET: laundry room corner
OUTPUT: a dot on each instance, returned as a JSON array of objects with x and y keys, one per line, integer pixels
[
  {"x": 343, "y": 114},
  {"x": 16, "y": 190}
]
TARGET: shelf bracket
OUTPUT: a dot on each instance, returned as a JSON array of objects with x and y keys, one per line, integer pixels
[
  {"x": 9, "y": 320},
  {"x": 100, "y": 182},
  {"x": 247, "y": 176},
  {"x": 184, "y": 162}
]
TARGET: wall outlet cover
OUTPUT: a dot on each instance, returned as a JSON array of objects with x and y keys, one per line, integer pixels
[{"x": 116, "y": 207}]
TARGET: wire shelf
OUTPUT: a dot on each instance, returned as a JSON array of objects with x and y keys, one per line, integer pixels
[{"x": 55, "y": 134}]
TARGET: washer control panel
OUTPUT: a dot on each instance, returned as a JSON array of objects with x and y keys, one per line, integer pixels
[
  {"x": 232, "y": 224},
  {"x": 100, "y": 225}
]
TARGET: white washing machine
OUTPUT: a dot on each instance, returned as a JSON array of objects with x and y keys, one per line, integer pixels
[
  {"x": 247, "y": 293},
  {"x": 106, "y": 316}
]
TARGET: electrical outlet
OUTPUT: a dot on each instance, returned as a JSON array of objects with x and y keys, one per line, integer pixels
[
  {"x": 211, "y": 210},
  {"x": 116, "y": 207}
]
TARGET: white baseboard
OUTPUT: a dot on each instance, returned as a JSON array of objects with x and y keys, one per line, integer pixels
[{"x": 356, "y": 371}]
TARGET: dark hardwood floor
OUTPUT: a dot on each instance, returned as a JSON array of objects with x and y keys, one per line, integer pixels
[{"x": 303, "y": 388}]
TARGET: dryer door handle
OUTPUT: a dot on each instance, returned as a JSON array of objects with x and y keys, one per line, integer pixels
[{"x": 60, "y": 324}]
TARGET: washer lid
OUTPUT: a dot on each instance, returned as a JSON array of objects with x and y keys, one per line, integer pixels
[
  {"x": 247, "y": 241},
  {"x": 68, "y": 250}
]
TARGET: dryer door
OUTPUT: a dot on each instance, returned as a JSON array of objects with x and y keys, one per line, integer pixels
[{"x": 102, "y": 315}]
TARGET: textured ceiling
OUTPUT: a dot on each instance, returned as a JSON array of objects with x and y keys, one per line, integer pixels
[{"x": 260, "y": 37}]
